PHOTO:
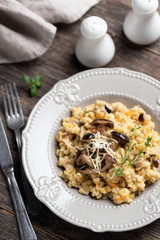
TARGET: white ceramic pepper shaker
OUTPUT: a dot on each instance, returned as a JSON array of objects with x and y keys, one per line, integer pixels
[
  {"x": 94, "y": 48},
  {"x": 142, "y": 24}
]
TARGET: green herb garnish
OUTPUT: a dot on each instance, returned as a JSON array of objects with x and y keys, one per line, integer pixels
[
  {"x": 147, "y": 144},
  {"x": 85, "y": 111},
  {"x": 132, "y": 147},
  {"x": 135, "y": 128},
  {"x": 124, "y": 159},
  {"x": 131, "y": 161},
  {"x": 34, "y": 83},
  {"x": 140, "y": 153},
  {"x": 118, "y": 172}
]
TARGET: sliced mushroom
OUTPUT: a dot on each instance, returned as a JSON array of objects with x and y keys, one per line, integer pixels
[
  {"x": 106, "y": 122},
  {"x": 109, "y": 158},
  {"x": 87, "y": 171},
  {"x": 82, "y": 158},
  {"x": 108, "y": 109},
  {"x": 120, "y": 137},
  {"x": 138, "y": 162},
  {"x": 154, "y": 161},
  {"x": 113, "y": 145},
  {"x": 87, "y": 137},
  {"x": 101, "y": 124},
  {"x": 141, "y": 117},
  {"x": 152, "y": 157},
  {"x": 83, "y": 167},
  {"x": 107, "y": 162}
]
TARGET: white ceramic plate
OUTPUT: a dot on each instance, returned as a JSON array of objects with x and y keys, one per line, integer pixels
[{"x": 40, "y": 162}]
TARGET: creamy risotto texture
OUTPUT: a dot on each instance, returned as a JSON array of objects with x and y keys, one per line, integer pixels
[{"x": 108, "y": 151}]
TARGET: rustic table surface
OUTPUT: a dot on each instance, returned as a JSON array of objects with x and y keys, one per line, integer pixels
[{"x": 59, "y": 63}]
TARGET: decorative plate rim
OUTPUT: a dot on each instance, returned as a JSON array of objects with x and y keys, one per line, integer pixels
[{"x": 30, "y": 123}]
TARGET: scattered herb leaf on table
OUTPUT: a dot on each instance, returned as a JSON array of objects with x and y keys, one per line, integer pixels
[{"x": 34, "y": 83}]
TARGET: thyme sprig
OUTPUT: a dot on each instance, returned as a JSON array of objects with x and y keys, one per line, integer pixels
[
  {"x": 147, "y": 143},
  {"x": 85, "y": 111},
  {"x": 135, "y": 128},
  {"x": 118, "y": 172},
  {"x": 126, "y": 158},
  {"x": 140, "y": 154}
]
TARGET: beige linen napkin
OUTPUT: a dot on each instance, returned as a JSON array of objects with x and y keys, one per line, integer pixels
[{"x": 26, "y": 29}]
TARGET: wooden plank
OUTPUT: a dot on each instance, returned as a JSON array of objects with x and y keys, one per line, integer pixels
[
  {"x": 9, "y": 226},
  {"x": 59, "y": 63},
  {"x": 153, "y": 229},
  {"x": 127, "y": 56},
  {"x": 133, "y": 58}
]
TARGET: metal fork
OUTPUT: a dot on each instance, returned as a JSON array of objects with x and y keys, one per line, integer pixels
[{"x": 15, "y": 120}]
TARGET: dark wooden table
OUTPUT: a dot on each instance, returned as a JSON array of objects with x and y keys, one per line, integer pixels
[{"x": 59, "y": 63}]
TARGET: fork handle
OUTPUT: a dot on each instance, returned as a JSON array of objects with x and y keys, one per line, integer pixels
[
  {"x": 33, "y": 205},
  {"x": 25, "y": 227}
]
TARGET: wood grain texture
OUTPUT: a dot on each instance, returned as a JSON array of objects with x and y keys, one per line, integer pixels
[
  {"x": 9, "y": 230},
  {"x": 59, "y": 63}
]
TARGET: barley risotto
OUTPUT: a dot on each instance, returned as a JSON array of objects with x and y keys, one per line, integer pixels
[{"x": 109, "y": 151}]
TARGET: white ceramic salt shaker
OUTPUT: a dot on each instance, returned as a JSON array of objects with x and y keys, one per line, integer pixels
[
  {"x": 142, "y": 24},
  {"x": 94, "y": 48}
]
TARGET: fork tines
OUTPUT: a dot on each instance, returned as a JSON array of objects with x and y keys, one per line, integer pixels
[{"x": 11, "y": 101}]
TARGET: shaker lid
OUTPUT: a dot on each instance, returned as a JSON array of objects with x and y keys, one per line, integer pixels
[
  {"x": 93, "y": 27},
  {"x": 145, "y": 6}
]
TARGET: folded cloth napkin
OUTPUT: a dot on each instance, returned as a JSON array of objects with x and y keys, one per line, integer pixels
[{"x": 26, "y": 29}]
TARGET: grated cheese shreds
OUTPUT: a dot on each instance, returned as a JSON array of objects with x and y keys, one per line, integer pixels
[{"x": 93, "y": 150}]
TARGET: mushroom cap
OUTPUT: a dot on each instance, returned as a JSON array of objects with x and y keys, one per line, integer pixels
[
  {"x": 109, "y": 158},
  {"x": 141, "y": 117},
  {"x": 108, "y": 161},
  {"x": 82, "y": 158},
  {"x": 152, "y": 157},
  {"x": 156, "y": 163},
  {"x": 80, "y": 153},
  {"x": 87, "y": 171},
  {"x": 104, "y": 122},
  {"x": 138, "y": 162},
  {"x": 87, "y": 137},
  {"x": 83, "y": 167},
  {"x": 108, "y": 109},
  {"x": 120, "y": 137}
]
